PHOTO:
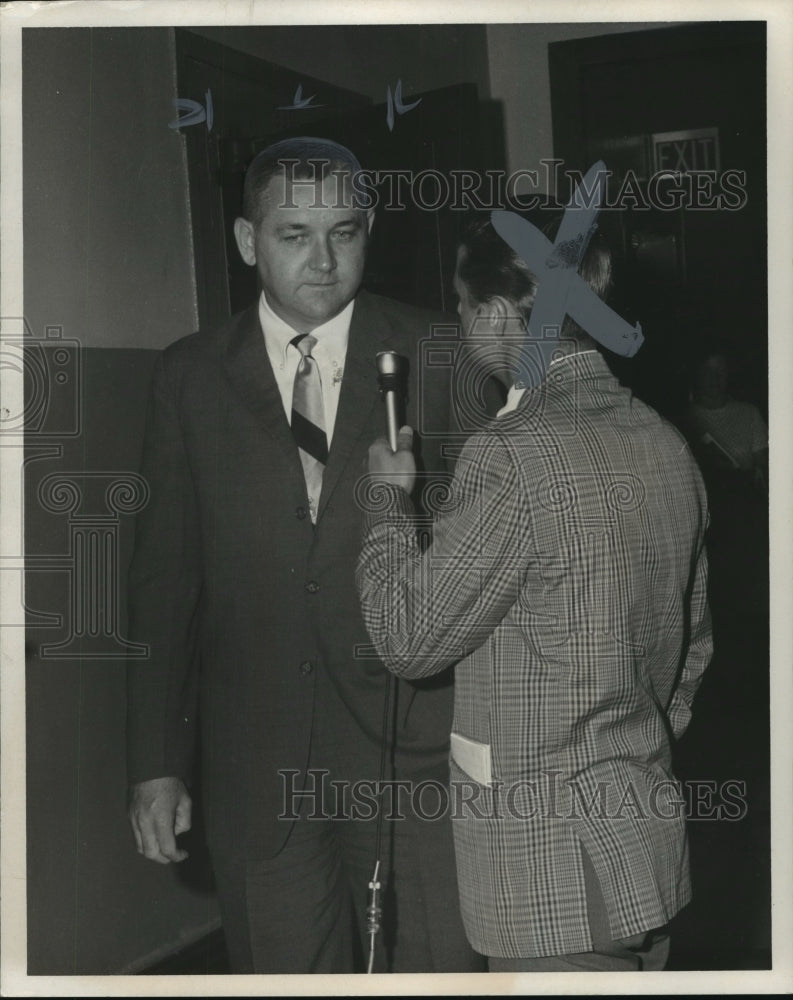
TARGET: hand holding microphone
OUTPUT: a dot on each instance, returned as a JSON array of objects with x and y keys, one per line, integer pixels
[{"x": 395, "y": 467}]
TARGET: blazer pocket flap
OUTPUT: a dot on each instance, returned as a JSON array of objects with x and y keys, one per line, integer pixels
[{"x": 472, "y": 757}]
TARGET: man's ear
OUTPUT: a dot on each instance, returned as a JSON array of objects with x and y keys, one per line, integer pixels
[
  {"x": 497, "y": 310},
  {"x": 246, "y": 240}
]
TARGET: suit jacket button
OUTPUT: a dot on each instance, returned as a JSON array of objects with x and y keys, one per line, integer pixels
[
  {"x": 306, "y": 667},
  {"x": 301, "y": 513},
  {"x": 312, "y": 586}
]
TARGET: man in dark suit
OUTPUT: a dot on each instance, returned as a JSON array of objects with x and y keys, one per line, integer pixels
[{"x": 243, "y": 586}]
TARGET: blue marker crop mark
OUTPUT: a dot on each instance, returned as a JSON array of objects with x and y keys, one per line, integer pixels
[
  {"x": 195, "y": 112},
  {"x": 299, "y": 103},
  {"x": 395, "y": 103},
  {"x": 562, "y": 291}
]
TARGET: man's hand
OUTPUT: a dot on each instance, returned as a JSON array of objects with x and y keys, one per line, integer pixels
[
  {"x": 159, "y": 810},
  {"x": 398, "y": 468}
]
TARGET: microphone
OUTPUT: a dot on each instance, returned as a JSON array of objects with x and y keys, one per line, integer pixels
[{"x": 390, "y": 373}]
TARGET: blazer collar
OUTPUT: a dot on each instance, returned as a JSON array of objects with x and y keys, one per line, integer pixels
[
  {"x": 587, "y": 363},
  {"x": 249, "y": 370},
  {"x": 574, "y": 366},
  {"x": 368, "y": 335}
]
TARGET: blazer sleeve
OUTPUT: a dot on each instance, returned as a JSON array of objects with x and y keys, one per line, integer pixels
[
  {"x": 699, "y": 651},
  {"x": 425, "y": 611},
  {"x": 164, "y": 590}
]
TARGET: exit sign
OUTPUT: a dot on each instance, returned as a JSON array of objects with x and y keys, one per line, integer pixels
[{"x": 686, "y": 152}]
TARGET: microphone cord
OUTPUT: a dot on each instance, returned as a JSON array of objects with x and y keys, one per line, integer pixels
[
  {"x": 389, "y": 378},
  {"x": 374, "y": 911}
]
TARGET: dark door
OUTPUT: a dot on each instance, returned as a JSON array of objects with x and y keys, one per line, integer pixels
[{"x": 690, "y": 100}]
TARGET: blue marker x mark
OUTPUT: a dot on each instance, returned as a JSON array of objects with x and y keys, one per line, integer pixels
[
  {"x": 562, "y": 291},
  {"x": 196, "y": 112},
  {"x": 300, "y": 103},
  {"x": 396, "y": 102}
]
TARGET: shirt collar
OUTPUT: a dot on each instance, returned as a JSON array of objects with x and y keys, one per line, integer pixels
[{"x": 331, "y": 337}]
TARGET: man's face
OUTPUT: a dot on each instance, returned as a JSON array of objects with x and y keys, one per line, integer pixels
[
  {"x": 712, "y": 377},
  {"x": 309, "y": 249},
  {"x": 485, "y": 351}
]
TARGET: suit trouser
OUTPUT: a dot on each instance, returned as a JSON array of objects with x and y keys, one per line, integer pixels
[
  {"x": 646, "y": 952},
  {"x": 305, "y": 909}
]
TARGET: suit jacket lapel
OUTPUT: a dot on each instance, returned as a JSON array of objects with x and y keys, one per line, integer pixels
[
  {"x": 358, "y": 391},
  {"x": 250, "y": 372}
]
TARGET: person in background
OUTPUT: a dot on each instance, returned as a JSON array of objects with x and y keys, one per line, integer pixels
[
  {"x": 728, "y": 435},
  {"x": 730, "y": 440}
]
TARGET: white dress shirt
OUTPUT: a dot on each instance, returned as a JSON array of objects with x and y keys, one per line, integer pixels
[{"x": 329, "y": 353}]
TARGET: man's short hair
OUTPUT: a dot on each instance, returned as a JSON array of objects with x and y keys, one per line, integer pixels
[
  {"x": 489, "y": 266},
  {"x": 303, "y": 158}
]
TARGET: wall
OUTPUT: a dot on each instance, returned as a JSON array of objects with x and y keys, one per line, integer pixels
[
  {"x": 518, "y": 59},
  {"x": 107, "y": 239},
  {"x": 108, "y": 259}
]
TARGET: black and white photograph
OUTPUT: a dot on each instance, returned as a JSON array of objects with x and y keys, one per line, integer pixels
[{"x": 394, "y": 566}]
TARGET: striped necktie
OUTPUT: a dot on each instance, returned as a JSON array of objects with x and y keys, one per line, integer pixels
[{"x": 308, "y": 420}]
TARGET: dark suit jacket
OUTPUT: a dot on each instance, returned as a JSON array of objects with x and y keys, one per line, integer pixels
[{"x": 243, "y": 602}]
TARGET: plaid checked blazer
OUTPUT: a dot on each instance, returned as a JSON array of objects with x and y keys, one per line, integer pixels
[{"x": 567, "y": 581}]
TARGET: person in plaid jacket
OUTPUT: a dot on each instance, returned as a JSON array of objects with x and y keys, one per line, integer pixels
[{"x": 567, "y": 582}]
